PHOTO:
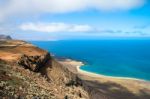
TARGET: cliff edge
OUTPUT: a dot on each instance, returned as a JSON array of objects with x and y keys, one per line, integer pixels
[{"x": 27, "y": 71}]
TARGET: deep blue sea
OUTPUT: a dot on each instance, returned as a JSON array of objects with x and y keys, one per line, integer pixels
[{"x": 121, "y": 58}]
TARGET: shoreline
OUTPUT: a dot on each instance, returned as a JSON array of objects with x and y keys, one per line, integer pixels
[
  {"x": 78, "y": 64},
  {"x": 133, "y": 86},
  {"x": 75, "y": 64},
  {"x": 91, "y": 74}
]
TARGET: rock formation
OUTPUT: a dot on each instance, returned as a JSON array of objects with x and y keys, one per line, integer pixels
[
  {"x": 34, "y": 63},
  {"x": 27, "y": 71}
]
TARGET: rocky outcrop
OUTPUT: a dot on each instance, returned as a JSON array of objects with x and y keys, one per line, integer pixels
[
  {"x": 34, "y": 63},
  {"x": 31, "y": 72}
]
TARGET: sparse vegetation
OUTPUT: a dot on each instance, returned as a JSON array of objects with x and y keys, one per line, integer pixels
[
  {"x": 15, "y": 85},
  {"x": 26, "y": 74}
]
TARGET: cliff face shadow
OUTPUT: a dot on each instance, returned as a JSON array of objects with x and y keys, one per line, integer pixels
[
  {"x": 46, "y": 69},
  {"x": 110, "y": 90}
]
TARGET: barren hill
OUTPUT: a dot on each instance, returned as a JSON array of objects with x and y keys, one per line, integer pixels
[{"x": 27, "y": 71}]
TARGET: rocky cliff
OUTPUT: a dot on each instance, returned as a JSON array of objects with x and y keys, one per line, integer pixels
[{"x": 27, "y": 71}]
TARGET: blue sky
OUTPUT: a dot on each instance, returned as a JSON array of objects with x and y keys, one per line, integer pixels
[{"x": 74, "y": 19}]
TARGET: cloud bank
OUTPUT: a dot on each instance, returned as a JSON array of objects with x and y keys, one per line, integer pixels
[
  {"x": 72, "y": 29},
  {"x": 8, "y": 7},
  {"x": 55, "y": 27}
]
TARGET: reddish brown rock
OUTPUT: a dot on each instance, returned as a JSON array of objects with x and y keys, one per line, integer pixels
[{"x": 23, "y": 54}]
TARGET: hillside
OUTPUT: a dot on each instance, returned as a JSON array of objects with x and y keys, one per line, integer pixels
[{"x": 27, "y": 71}]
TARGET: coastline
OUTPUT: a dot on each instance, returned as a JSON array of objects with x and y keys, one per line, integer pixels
[
  {"x": 91, "y": 74},
  {"x": 74, "y": 64},
  {"x": 133, "y": 85}
]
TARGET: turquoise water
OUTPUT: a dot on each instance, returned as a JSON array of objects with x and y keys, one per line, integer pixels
[{"x": 122, "y": 58}]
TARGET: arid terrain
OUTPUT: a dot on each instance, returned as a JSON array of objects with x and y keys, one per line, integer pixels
[{"x": 27, "y": 71}]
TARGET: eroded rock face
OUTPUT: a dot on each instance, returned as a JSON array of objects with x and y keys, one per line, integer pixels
[
  {"x": 33, "y": 63},
  {"x": 23, "y": 54},
  {"x": 50, "y": 80}
]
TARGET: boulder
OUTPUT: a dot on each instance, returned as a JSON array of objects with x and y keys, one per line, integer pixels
[{"x": 34, "y": 63}]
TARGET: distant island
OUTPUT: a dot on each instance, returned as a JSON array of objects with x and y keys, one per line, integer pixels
[{"x": 5, "y": 37}]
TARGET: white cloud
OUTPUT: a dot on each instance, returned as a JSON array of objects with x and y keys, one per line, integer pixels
[
  {"x": 83, "y": 29},
  {"x": 55, "y": 27},
  {"x": 30, "y": 7}
]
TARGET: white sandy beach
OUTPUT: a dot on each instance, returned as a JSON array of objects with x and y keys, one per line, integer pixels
[
  {"x": 132, "y": 84},
  {"x": 100, "y": 75},
  {"x": 78, "y": 64}
]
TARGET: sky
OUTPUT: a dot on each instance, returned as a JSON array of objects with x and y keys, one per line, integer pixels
[{"x": 74, "y": 19}]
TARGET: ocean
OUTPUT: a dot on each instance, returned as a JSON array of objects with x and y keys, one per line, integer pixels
[{"x": 113, "y": 57}]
